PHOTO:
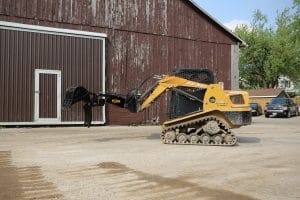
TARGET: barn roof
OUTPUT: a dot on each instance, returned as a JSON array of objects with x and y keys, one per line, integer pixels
[
  {"x": 268, "y": 92},
  {"x": 241, "y": 42}
]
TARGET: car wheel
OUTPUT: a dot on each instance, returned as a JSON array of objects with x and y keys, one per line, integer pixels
[
  {"x": 267, "y": 116},
  {"x": 296, "y": 113}
]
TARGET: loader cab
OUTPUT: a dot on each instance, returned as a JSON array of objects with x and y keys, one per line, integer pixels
[{"x": 181, "y": 104}]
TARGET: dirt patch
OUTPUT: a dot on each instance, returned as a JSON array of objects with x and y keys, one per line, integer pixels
[
  {"x": 112, "y": 165},
  {"x": 136, "y": 182},
  {"x": 19, "y": 183},
  {"x": 10, "y": 187}
]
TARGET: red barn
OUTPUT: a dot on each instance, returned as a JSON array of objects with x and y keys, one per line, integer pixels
[{"x": 105, "y": 46}]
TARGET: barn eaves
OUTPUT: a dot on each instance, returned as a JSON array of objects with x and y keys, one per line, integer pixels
[{"x": 241, "y": 43}]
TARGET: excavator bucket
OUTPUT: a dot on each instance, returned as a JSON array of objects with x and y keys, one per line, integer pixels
[
  {"x": 74, "y": 95},
  {"x": 132, "y": 101}
]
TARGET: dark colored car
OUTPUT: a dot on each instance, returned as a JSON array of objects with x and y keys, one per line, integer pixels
[
  {"x": 281, "y": 107},
  {"x": 256, "y": 109}
]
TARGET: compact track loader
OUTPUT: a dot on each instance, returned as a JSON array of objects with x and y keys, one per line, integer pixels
[{"x": 201, "y": 112}]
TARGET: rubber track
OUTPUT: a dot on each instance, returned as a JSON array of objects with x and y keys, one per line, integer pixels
[{"x": 190, "y": 124}]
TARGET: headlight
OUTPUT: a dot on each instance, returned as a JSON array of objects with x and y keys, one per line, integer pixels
[{"x": 284, "y": 107}]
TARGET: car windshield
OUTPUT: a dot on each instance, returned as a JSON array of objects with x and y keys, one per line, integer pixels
[
  {"x": 279, "y": 101},
  {"x": 253, "y": 105}
]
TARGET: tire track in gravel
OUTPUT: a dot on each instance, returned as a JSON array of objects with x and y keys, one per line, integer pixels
[
  {"x": 20, "y": 183},
  {"x": 134, "y": 184}
]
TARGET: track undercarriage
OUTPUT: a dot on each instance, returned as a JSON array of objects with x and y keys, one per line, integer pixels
[{"x": 209, "y": 130}]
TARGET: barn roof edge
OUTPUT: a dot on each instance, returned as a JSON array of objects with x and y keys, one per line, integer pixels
[{"x": 241, "y": 42}]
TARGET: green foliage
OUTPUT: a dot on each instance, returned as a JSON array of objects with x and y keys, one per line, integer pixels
[
  {"x": 292, "y": 94},
  {"x": 271, "y": 52}
]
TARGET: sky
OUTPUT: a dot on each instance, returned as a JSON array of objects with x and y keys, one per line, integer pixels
[{"x": 235, "y": 12}]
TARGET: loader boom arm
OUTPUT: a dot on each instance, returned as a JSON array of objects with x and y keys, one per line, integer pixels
[
  {"x": 134, "y": 101},
  {"x": 165, "y": 84}
]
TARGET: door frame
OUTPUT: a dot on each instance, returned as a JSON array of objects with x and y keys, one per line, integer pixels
[{"x": 37, "y": 73}]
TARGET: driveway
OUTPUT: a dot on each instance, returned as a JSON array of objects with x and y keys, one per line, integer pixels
[{"x": 122, "y": 162}]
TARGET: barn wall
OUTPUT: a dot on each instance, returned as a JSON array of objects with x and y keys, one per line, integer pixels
[
  {"x": 22, "y": 52},
  {"x": 137, "y": 56},
  {"x": 175, "y": 18},
  {"x": 144, "y": 38},
  {"x": 235, "y": 67}
]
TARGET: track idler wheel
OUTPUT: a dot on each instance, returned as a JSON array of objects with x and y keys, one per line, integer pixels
[
  {"x": 205, "y": 138},
  {"x": 218, "y": 139},
  {"x": 194, "y": 138},
  {"x": 182, "y": 138},
  {"x": 169, "y": 137},
  {"x": 230, "y": 139}
]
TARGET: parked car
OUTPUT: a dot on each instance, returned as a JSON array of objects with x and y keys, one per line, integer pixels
[
  {"x": 281, "y": 107},
  {"x": 256, "y": 109}
]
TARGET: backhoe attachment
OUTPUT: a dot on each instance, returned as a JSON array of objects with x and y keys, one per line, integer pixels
[
  {"x": 77, "y": 94},
  {"x": 134, "y": 101}
]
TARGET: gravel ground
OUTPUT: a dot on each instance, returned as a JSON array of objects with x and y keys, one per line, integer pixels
[{"x": 116, "y": 163}]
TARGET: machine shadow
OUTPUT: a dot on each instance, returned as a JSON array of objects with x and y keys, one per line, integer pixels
[
  {"x": 243, "y": 139},
  {"x": 154, "y": 136}
]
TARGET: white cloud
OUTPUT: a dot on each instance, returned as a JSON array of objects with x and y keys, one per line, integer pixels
[{"x": 236, "y": 23}]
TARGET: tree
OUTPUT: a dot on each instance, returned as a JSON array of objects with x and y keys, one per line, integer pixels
[
  {"x": 285, "y": 51},
  {"x": 295, "y": 34},
  {"x": 271, "y": 52},
  {"x": 254, "y": 60}
]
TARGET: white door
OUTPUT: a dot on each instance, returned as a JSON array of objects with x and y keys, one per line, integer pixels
[{"x": 47, "y": 107}]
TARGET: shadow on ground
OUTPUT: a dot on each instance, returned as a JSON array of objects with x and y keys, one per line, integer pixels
[
  {"x": 154, "y": 136},
  {"x": 118, "y": 138},
  {"x": 243, "y": 139}
]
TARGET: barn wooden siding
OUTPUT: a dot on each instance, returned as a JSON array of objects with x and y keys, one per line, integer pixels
[
  {"x": 21, "y": 52},
  {"x": 145, "y": 37}
]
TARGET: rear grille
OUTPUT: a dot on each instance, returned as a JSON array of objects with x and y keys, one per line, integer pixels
[{"x": 274, "y": 108}]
